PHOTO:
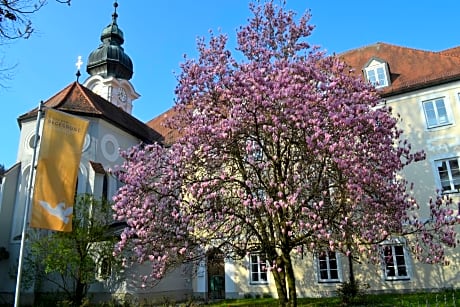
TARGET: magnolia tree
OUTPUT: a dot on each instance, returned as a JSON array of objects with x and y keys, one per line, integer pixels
[{"x": 281, "y": 152}]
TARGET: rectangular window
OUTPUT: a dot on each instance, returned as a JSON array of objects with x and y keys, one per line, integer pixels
[
  {"x": 395, "y": 263},
  {"x": 254, "y": 150},
  {"x": 449, "y": 174},
  {"x": 328, "y": 267},
  {"x": 377, "y": 75},
  {"x": 436, "y": 113},
  {"x": 258, "y": 269}
]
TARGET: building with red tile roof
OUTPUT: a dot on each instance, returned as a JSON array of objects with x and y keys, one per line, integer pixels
[{"x": 423, "y": 87}]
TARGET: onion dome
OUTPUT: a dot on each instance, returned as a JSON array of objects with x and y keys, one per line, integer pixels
[{"x": 109, "y": 59}]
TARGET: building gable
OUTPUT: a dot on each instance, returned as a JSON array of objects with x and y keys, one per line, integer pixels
[{"x": 77, "y": 99}]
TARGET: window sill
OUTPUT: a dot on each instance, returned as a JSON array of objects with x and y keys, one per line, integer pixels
[
  {"x": 397, "y": 279},
  {"x": 439, "y": 127},
  {"x": 258, "y": 283},
  {"x": 329, "y": 282},
  {"x": 450, "y": 192}
]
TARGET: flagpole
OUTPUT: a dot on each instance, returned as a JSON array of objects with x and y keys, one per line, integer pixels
[{"x": 26, "y": 211}]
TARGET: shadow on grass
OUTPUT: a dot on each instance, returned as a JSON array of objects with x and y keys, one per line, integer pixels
[{"x": 446, "y": 298}]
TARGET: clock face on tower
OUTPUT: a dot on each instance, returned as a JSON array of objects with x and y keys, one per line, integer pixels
[{"x": 122, "y": 96}]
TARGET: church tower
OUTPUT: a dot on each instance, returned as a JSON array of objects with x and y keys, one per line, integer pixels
[{"x": 110, "y": 68}]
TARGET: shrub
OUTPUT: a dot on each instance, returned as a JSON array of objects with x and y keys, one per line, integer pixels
[{"x": 350, "y": 291}]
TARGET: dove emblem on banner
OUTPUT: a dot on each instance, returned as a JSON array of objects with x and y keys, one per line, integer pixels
[{"x": 60, "y": 211}]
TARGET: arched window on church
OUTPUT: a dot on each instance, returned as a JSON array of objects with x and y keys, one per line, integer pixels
[
  {"x": 105, "y": 268},
  {"x": 105, "y": 186}
]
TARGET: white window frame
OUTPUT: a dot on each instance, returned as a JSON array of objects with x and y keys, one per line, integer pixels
[
  {"x": 328, "y": 261},
  {"x": 393, "y": 260},
  {"x": 439, "y": 118},
  {"x": 451, "y": 176},
  {"x": 258, "y": 268},
  {"x": 375, "y": 69}
]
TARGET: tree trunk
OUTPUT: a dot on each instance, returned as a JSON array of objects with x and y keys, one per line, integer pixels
[
  {"x": 285, "y": 281},
  {"x": 353, "y": 286},
  {"x": 80, "y": 289},
  {"x": 352, "y": 273},
  {"x": 290, "y": 281},
  {"x": 281, "y": 288}
]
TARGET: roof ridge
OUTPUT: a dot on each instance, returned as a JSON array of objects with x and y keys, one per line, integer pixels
[{"x": 389, "y": 45}]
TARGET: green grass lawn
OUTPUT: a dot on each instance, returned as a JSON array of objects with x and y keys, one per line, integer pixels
[{"x": 440, "y": 299}]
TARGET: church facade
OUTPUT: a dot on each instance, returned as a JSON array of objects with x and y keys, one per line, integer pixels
[{"x": 105, "y": 99}]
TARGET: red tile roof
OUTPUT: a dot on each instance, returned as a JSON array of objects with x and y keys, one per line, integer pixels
[
  {"x": 410, "y": 69},
  {"x": 455, "y": 51},
  {"x": 77, "y": 99},
  {"x": 158, "y": 122}
]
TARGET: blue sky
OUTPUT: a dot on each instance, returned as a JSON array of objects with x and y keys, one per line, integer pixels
[{"x": 158, "y": 34}]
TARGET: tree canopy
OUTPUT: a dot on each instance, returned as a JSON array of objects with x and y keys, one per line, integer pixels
[
  {"x": 15, "y": 23},
  {"x": 15, "y": 16},
  {"x": 281, "y": 150}
]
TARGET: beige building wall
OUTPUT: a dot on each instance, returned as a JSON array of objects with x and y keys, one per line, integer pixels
[{"x": 441, "y": 142}]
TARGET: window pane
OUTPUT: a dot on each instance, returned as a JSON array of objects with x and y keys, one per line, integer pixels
[
  {"x": 323, "y": 274},
  {"x": 454, "y": 167},
  {"x": 442, "y": 169},
  {"x": 430, "y": 114},
  {"x": 390, "y": 271},
  {"x": 398, "y": 250},
  {"x": 444, "y": 175},
  {"x": 371, "y": 76},
  {"x": 334, "y": 274},
  {"x": 445, "y": 186},
  {"x": 455, "y": 173},
  {"x": 389, "y": 262},
  {"x": 388, "y": 254},
  {"x": 402, "y": 271},
  {"x": 456, "y": 183},
  {"x": 400, "y": 260},
  {"x": 442, "y": 113},
  {"x": 381, "y": 76},
  {"x": 332, "y": 264}
]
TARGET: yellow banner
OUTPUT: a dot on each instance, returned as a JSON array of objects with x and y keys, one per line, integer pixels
[{"x": 57, "y": 169}]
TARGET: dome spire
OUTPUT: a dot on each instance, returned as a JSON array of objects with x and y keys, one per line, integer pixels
[
  {"x": 109, "y": 59},
  {"x": 115, "y": 15}
]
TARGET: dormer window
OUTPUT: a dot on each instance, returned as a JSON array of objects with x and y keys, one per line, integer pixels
[{"x": 376, "y": 73}]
